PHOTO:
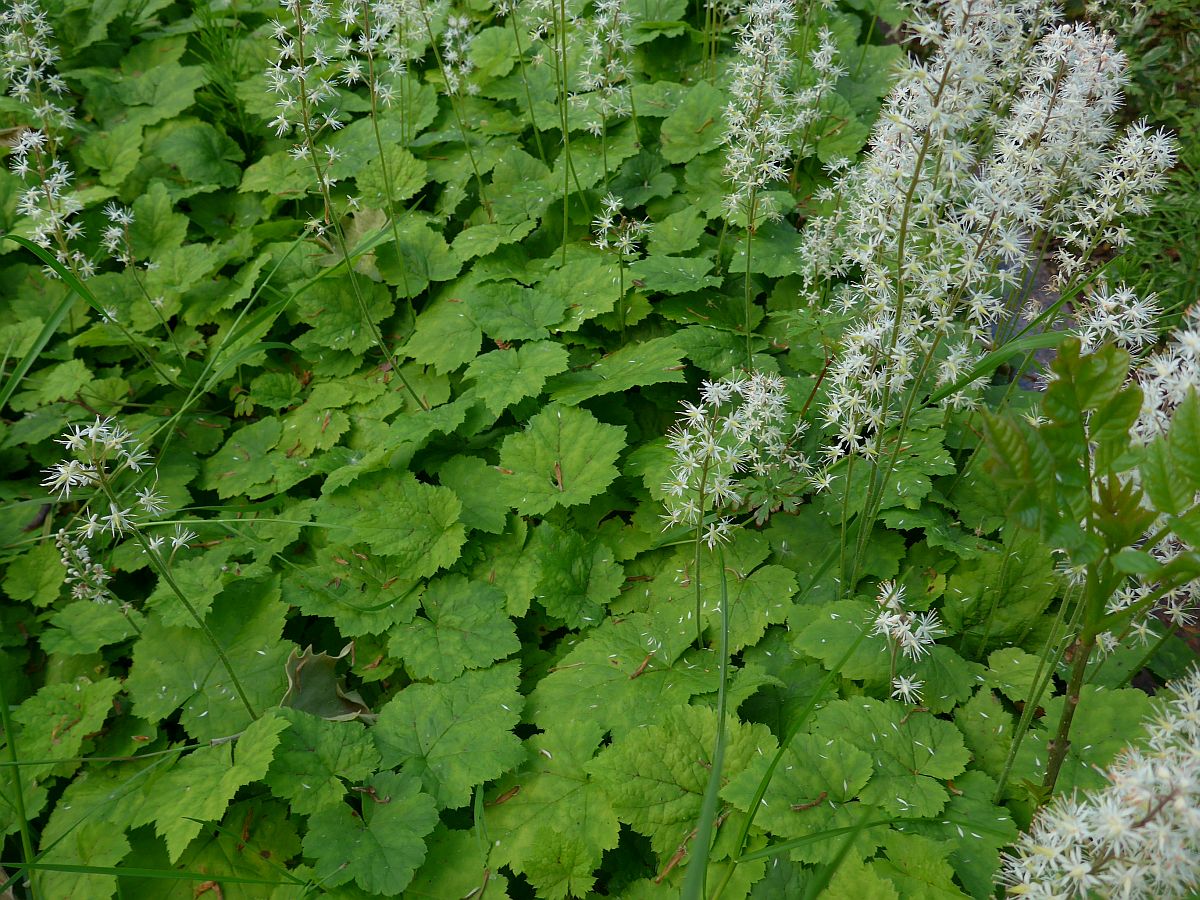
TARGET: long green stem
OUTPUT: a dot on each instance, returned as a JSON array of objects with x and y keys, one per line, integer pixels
[
  {"x": 697, "y": 870},
  {"x": 537, "y": 134},
  {"x": 10, "y": 740},
  {"x": 332, "y": 219},
  {"x": 164, "y": 572},
  {"x": 1048, "y": 662},
  {"x": 697, "y": 543},
  {"x": 561, "y": 61},
  {"x": 454, "y": 107},
  {"x": 748, "y": 300},
  {"x": 385, "y": 169},
  {"x": 1058, "y": 746},
  {"x": 793, "y": 730}
]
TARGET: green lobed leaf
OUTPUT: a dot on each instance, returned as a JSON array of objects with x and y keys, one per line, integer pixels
[
  {"x": 914, "y": 753},
  {"x": 381, "y": 849},
  {"x": 199, "y": 787},
  {"x": 510, "y": 312},
  {"x": 398, "y": 516},
  {"x": 563, "y": 458},
  {"x": 173, "y": 667},
  {"x": 552, "y": 793},
  {"x": 635, "y": 365},
  {"x": 453, "y": 735},
  {"x": 654, "y": 777},
  {"x": 464, "y": 627},
  {"x": 505, "y": 377},
  {"x": 57, "y": 720},
  {"x": 696, "y": 125},
  {"x": 316, "y": 757}
]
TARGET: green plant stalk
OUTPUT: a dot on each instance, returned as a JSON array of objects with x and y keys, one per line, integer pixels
[
  {"x": 18, "y": 788},
  {"x": 604, "y": 150},
  {"x": 697, "y": 869},
  {"x": 707, "y": 64},
  {"x": 43, "y": 338},
  {"x": 697, "y": 542},
  {"x": 376, "y": 334},
  {"x": 862, "y": 56},
  {"x": 1048, "y": 661},
  {"x": 34, "y": 864},
  {"x": 621, "y": 304},
  {"x": 561, "y": 37},
  {"x": 633, "y": 117},
  {"x": 77, "y": 286},
  {"x": 537, "y": 134},
  {"x": 1057, "y": 747},
  {"x": 748, "y": 301},
  {"x": 137, "y": 278},
  {"x": 843, "y": 571},
  {"x": 323, "y": 183},
  {"x": 918, "y": 167},
  {"x": 877, "y": 483},
  {"x": 792, "y": 731},
  {"x": 207, "y": 373},
  {"x": 383, "y": 166},
  {"x": 462, "y": 128},
  {"x": 130, "y": 872},
  {"x": 165, "y": 573}
]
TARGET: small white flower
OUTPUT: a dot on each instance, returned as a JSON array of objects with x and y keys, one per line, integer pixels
[
  {"x": 150, "y": 502},
  {"x": 182, "y": 537},
  {"x": 118, "y": 520},
  {"x": 907, "y": 689}
]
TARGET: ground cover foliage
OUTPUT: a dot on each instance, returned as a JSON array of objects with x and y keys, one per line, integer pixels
[{"x": 594, "y": 449}]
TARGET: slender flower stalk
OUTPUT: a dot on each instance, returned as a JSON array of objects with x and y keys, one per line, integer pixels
[
  {"x": 511, "y": 9},
  {"x": 622, "y": 235},
  {"x": 738, "y": 429},
  {"x": 996, "y": 145},
  {"x": 607, "y": 67},
  {"x": 763, "y": 115},
  {"x": 303, "y": 76},
  {"x": 98, "y": 458},
  {"x": 455, "y": 65},
  {"x": 375, "y": 57}
]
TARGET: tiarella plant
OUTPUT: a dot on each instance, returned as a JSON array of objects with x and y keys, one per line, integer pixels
[{"x": 589, "y": 448}]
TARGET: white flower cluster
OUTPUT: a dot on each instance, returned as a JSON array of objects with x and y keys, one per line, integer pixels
[
  {"x": 27, "y": 58},
  {"x": 607, "y": 49},
  {"x": 1119, "y": 316},
  {"x": 115, "y": 238},
  {"x": 99, "y": 453},
  {"x": 456, "y": 56},
  {"x": 546, "y": 24},
  {"x": 49, "y": 202},
  {"x": 995, "y": 148},
  {"x": 366, "y": 42},
  {"x": 1138, "y": 837},
  {"x": 304, "y": 73},
  {"x": 94, "y": 449},
  {"x": 380, "y": 39},
  {"x": 910, "y": 633},
  {"x": 739, "y": 426},
  {"x": 88, "y": 580},
  {"x": 617, "y": 231},
  {"x": 763, "y": 113},
  {"x": 1166, "y": 378}
]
